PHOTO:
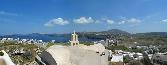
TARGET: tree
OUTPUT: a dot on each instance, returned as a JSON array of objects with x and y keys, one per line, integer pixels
[
  {"x": 135, "y": 62},
  {"x": 127, "y": 59},
  {"x": 146, "y": 60},
  {"x": 1, "y": 53},
  {"x": 119, "y": 47}
]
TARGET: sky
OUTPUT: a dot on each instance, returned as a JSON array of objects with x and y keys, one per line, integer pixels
[{"x": 64, "y": 16}]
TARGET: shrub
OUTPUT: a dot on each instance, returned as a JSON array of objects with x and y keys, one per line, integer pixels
[{"x": 1, "y": 53}]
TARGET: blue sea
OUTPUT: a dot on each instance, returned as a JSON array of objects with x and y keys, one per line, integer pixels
[{"x": 47, "y": 38}]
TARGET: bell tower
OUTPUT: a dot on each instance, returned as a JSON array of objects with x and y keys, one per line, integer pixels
[{"x": 74, "y": 39}]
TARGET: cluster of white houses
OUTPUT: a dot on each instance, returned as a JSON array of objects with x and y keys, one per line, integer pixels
[{"x": 29, "y": 41}]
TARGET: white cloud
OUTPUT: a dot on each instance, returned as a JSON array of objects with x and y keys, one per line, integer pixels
[
  {"x": 83, "y": 20},
  {"x": 129, "y": 20},
  {"x": 8, "y": 13},
  {"x": 165, "y": 20},
  {"x": 134, "y": 20},
  {"x": 57, "y": 21},
  {"x": 107, "y": 20},
  {"x": 87, "y": 20},
  {"x": 122, "y": 22},
  {"x": 110, "y": 21}
]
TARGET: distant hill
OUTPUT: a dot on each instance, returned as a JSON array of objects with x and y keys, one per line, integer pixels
[
  {"x": 104, "y": 34},
  {"x": 108, "y": 32},
  {"x": 151, "y": 34},
  {"x": 116, "y": 32}
]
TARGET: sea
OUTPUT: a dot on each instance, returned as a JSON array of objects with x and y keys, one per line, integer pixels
[{"x": 47, "y": 38}]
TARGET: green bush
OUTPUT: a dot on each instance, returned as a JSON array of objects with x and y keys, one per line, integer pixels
[
  {"x": 127, "y": 59},
  {"x": 119, "y": 47},
  {"x": 49, "y": 44},
  {"x": 135, "y": 62},
  {"x": 1, "y": 53}
]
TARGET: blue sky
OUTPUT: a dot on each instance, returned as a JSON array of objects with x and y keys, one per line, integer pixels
[{"x": 63, "y": 16}]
